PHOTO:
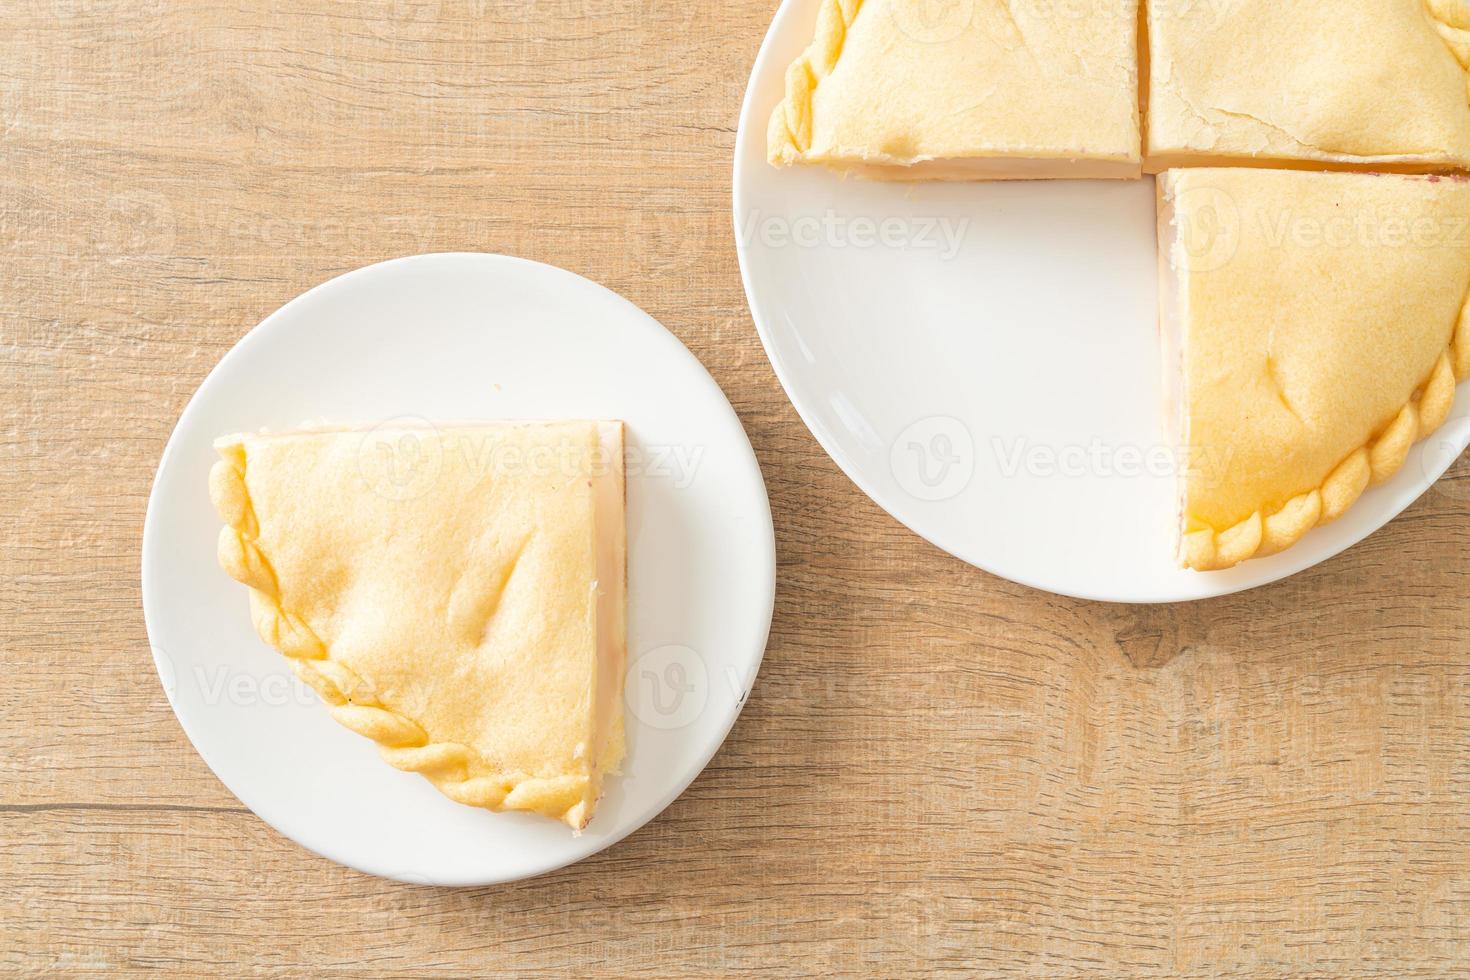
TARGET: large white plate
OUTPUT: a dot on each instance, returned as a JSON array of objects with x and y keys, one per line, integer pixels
[
  {"x": 981, "y": 359},
  {"x": 465, "y": 336}
]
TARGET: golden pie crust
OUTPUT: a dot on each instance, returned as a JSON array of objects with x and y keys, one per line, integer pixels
[
  {"x": 1315, "y": 326},
  {"x": 1352, "y": 84},
  {"x": 454, "y": 593},
  {"x": 980, "y": 89}
]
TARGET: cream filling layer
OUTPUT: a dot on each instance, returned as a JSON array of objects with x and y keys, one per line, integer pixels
[
  {"x": 1158, "y": 163},
  {"x": 984, "y": 168},
  {"x": 1173, "y": 293},
  {"x": 609, "y": 608}
]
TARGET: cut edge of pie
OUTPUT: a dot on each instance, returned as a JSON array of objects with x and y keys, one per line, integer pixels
[
  {"x": 1156, "y": 164},
  {"x": 402, "y": 741},
  {"x": 789, "y": 132},
  {"x": 1264, "y": 532}
]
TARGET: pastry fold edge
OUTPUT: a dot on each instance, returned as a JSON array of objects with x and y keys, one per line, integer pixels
[
  {"x": 1263, "y": 534},
  {"x": 456, "y": 770},
  {"x": 789, "y": 135},
  {"x": 1452, "y": 20}
]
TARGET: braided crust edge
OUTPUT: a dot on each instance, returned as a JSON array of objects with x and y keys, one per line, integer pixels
[
  {"x": 789, "y": 136},
  {"x": 1262, "y": 534},
  {"x": 456, "y": 770},
  {"x": 1452, "y": 20}
]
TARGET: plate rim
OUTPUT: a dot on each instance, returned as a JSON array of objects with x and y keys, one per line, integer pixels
[
  {"x": 748, "y": 127},
  {"x": 149, "y": 557}
]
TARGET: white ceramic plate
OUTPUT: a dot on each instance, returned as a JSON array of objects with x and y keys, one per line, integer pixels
[
  {"x": 981, "y": 359},
  {"x": 463, "y": 336}
]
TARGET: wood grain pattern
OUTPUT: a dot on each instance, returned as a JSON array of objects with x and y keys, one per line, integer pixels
[{"x": 937, "y": 771}]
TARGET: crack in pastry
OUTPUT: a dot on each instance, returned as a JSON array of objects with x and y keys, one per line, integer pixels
[{"x": 1373, "y": 85}]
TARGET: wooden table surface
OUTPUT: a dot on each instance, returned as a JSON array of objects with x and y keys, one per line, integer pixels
[{"x": 936, "y": 771}]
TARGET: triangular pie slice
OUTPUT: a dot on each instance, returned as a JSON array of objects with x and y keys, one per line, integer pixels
[
  {"x": 1354, "y": 84},
  {"x": 454, "y": 593},
  {"x": 970, "y": 90},
  {"x": 1314, "y": 327}
]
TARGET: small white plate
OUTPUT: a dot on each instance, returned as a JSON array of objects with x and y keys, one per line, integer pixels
[
  {"x": 982, "y": 360},
  {"x": 465, "y": 336}
]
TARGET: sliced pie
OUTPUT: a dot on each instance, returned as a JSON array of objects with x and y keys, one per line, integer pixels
[
  {"x": 975, "y": 89},
  {"x": 1315, "y": 325},
  {"x": 455, "y": 594},
  {"x": 1355, "y": 84}
]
